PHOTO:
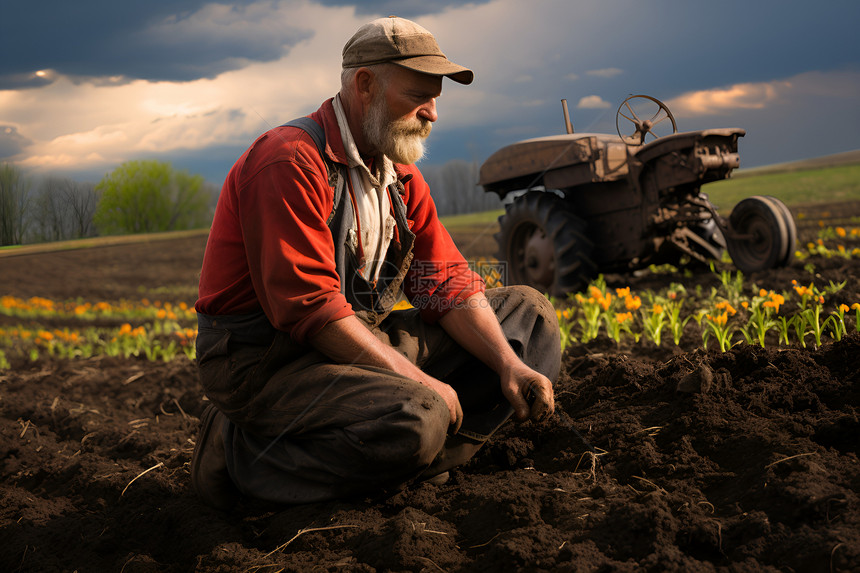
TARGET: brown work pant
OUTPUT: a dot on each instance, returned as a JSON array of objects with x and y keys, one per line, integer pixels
[{"x": 302, "y": 429}]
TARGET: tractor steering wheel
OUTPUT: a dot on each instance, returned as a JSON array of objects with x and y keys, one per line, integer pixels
[{"x": 636, "y": 107}]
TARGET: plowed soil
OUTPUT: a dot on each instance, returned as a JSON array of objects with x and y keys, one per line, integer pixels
[{"x": 658, "y": 459}]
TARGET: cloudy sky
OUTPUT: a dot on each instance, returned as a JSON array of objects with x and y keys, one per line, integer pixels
[{"x": 87, "y": 85}]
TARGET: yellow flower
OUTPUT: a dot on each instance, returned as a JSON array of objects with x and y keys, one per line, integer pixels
[{"x": 856, "y": 306}]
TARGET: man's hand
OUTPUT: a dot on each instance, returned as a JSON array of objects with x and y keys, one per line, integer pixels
[
  {"x": 529, "y": 392},
  {"x": 451, "y": 400}
]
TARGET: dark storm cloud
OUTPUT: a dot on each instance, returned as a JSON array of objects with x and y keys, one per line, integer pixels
[
  {"x": 402, "y": 8},
  {"x": 11, "y": 142},
  {"x": 176, "y": 40}
]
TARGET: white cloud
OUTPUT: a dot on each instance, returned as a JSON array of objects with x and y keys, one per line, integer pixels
[
  {"x": 605, "y": 73},
  {"x": 593, "y": 102}
]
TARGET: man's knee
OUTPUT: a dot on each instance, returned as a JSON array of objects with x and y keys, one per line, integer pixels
[
  {"x": 530, "y": 324},
  {"x": 427, "y": 418}
]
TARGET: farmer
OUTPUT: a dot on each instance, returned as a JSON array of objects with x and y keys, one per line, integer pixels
[{"x": 317, "y": 389}]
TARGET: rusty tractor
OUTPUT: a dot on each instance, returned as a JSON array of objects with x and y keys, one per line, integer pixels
[{"x": 589, "y": 203}]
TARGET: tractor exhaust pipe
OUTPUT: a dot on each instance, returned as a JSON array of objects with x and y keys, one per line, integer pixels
[{"x": 567, "y": 124}]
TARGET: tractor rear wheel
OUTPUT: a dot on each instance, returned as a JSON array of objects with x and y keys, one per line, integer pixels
[
  {"x": 544, "y": 245},
  {"x": 760, "y": 237}
]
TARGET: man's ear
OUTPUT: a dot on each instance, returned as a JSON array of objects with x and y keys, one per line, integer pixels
[{"x": 366, "y": 85}]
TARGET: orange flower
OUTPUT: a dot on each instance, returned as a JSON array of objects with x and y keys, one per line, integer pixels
[
  {"x": 623, "y": 292},
  {"x": 841, "y": 231},
  {"x": 632, "y": 302},
  {"x": 658, "y": 309},
  {"x": 844, "y": 307},
  {"x": 622, "y": 317},
  {"x": 762, "y": 292},
  {"x": 745, "y": 304},
  {"x": 726, "y": 307},
  {"x": 605, "y": 301},
  {"x": 719, "y": 320}
]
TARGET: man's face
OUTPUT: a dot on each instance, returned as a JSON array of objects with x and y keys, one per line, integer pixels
[{"x": 401, "y": 114}]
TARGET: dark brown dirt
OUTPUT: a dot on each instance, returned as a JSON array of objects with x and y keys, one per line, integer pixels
[{"x": 659, "y": 459}]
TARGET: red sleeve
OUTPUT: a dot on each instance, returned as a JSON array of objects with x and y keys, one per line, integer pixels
[
  {"x": 283, "y": 209},
  {"x": 439, "y": 278}
]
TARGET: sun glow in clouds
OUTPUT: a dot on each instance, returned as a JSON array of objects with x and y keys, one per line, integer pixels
[{"x": 720, "y": 101}]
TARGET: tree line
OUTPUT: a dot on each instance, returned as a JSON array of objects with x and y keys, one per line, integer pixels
[
  {"x": 151, "y": 196},
  {"x": 137, "y": 197}
]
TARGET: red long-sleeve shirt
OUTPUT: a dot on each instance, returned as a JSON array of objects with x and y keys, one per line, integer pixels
[{"x": 270, "y": 248}]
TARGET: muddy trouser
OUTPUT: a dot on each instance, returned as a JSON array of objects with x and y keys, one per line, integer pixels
[{"x": 303, "y": 429}]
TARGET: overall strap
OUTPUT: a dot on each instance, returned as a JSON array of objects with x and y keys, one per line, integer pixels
[{"x": 317, "y": 134}]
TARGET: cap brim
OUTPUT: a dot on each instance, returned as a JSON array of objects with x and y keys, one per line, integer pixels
[{"x": 438, "y": 66}]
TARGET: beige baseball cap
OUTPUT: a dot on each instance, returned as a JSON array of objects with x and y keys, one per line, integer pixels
[{"x": 402, "y": 42}]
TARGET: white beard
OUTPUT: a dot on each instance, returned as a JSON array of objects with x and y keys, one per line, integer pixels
[{"x": 402, "y": 140}]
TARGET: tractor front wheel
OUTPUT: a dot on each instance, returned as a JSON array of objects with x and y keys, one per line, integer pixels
[
  {"x": 544, "y": 245},
  {"x": 762, "y": 234}
]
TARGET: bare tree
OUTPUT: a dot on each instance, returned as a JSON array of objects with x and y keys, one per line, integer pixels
[
  {"x": 14, "y": 187},
  {"x": 81, "y": 200},
  {"x": 48, "y": 214},
  {"x": 455, "y": 190}
]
